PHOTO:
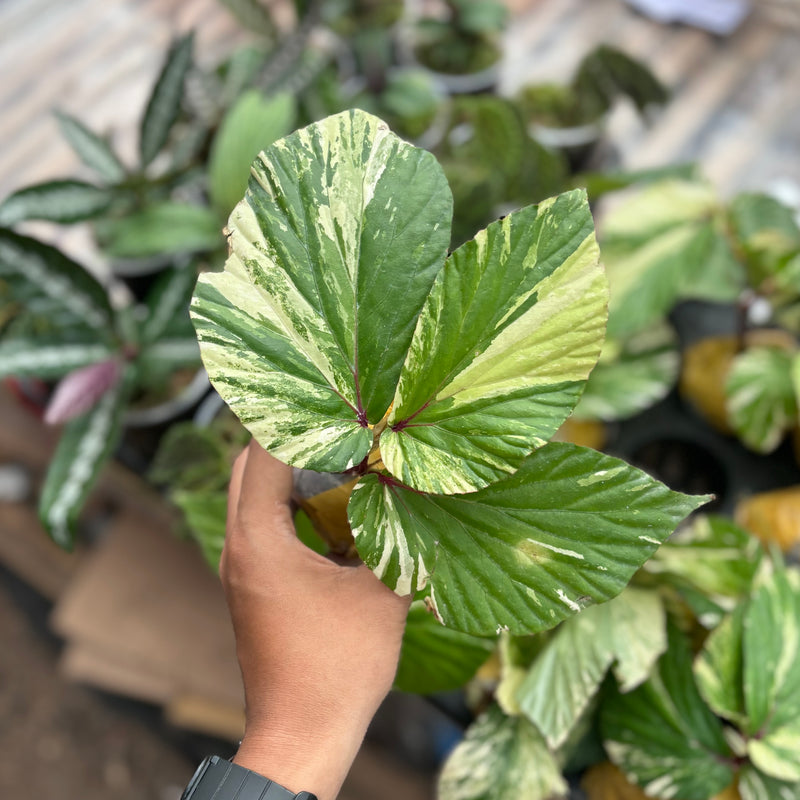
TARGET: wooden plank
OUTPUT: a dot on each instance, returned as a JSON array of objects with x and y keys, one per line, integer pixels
[
  {"x": 150, "y": 599},
  {"x": 83, "y": 663},
  {"x": 203, "y": 715},
  {"x": 31, "y": 555},
  {"x": 688, "y": 113}
]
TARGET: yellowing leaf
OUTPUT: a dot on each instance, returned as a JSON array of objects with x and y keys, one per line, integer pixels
[
  {"x": 774, "y": 517},
  {"x": 328, "y": 513},
  {"x": 706, "y": 365},
  {"x": 705, "y": 368},
  {"x": 583, "y": 432},
  {"x": 607, "y": 782}
]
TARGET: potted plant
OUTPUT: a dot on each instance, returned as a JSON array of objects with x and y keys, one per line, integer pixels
[
  {"x": 107, "y": 361},
  {"x": 460, "y": 44},
  {"x": 491, "y": 163},
  {"x": 571, "y": 117}
]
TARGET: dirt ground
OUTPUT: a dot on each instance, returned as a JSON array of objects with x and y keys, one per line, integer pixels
[{"x": 62, "y": 741}]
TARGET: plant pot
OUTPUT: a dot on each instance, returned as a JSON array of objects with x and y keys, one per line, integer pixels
[
  {"x": 145, "y": 426},
  {"x": 483, "y": 80},
  {"x": 578, "y": 143}
]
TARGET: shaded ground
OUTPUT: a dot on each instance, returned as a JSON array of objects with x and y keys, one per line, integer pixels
[{"x": 60, "y": 741}]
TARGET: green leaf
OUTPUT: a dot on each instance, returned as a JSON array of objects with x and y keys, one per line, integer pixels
[
  {"x": 167, "y": 355},
  {"x": 629, "y": 630},
  {"x": 48, "y": 359},
  {"x": 516, "y": 654},
  {"x": 662, "y": 245},
  {"x": 642, "y": 372},
  {"x": 598, "y": 184},
  {"x": 662, "y": 735},
  {"x": 768, "y": 234},
  {"x": 509, "y": 333},
  {"x": 93, "y": 150},
  {"x": 754, "y": 785},
  {"x": 772, "y": 674},
  {"x": 501, "y": 758},
  {"x": 437, "y": 659},
  {"x": 719, "y": 666},
  {"x": 334, "y": 250},
  {"x": 169, "y": 298},
  {"x": 85, "y": 445},
  {"x": 162, "y": 229},
  {"x": 252, "y": 16},
  {"x": 569, "y": 528},
  {"x": 714, "y": 555},
  {"x": 606, "y": 74},
  {"x": 190, "y": 458},
  {"x": 205, "y": 514},
  {"x": 165, "y": 99},
  {"x": 56, "y": 201},
  {"x": 253, "y": 123},
  {"x": 33, "y": 270},
  {"x": 760, "y": 397}
]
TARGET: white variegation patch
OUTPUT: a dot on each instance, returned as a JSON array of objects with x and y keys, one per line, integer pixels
[{"x": 30, "y": 358}]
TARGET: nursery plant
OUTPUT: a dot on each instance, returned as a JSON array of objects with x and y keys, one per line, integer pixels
[
  {"x": 571, "y": 116},
  {"x": 491, "y": 162},
  {"x": 106, "y": 360},
  {"x": 463, "y": 39},
  {"x": 678, "y": 241},
  {"x": 640, "y": 682},
  {"x": 346, "y": 340}
]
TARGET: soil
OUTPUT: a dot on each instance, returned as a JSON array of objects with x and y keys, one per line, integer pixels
[{"x": 61, "y": 741}]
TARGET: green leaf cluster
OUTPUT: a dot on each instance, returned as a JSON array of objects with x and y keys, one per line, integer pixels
[
  {"x": 346, "y": 339},
  {"x": 631, "y": 681},
  {"x": 730, "y": 715},
  {"x": 67, "y": 324}
]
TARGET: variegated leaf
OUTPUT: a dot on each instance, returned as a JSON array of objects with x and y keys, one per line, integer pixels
[
  {"x": 662, "y": 735},
  {"x": 629, "y": 630},
  {"x": 760, "y": 397},
  {"x": 334, "y": 249},
  {"x": 56, "y": 201},
  {"x": 165, "y": 99},
  {"x": 501, "y": 758},
  {"x": 511, "y": 329},
  {"x": 32, "y": 268},
  {"x": 772, "y": 674},
  {"x": 636, "y": 374},
  {"x": 719, "y": 667},
  {"x": 84, "y": 446},
  {"x": 92, "y": 149},
  {"x": 714, "y": 556},
  {"x": 437, "y": 659},
  {"x": 754, "y": 785},
  {"x": 569, "y": 528},
  {"x": 664, "y": 244},
  {"x": 167, "y": 355},
  {"x": 48, "y": 359},
  {"x": 169, "y": 298}
]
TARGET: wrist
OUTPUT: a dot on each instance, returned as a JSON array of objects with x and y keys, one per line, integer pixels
[{"x": 302, "y": 754}]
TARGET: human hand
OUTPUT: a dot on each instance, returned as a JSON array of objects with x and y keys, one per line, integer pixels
[{"x": 318, "y": 642}]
